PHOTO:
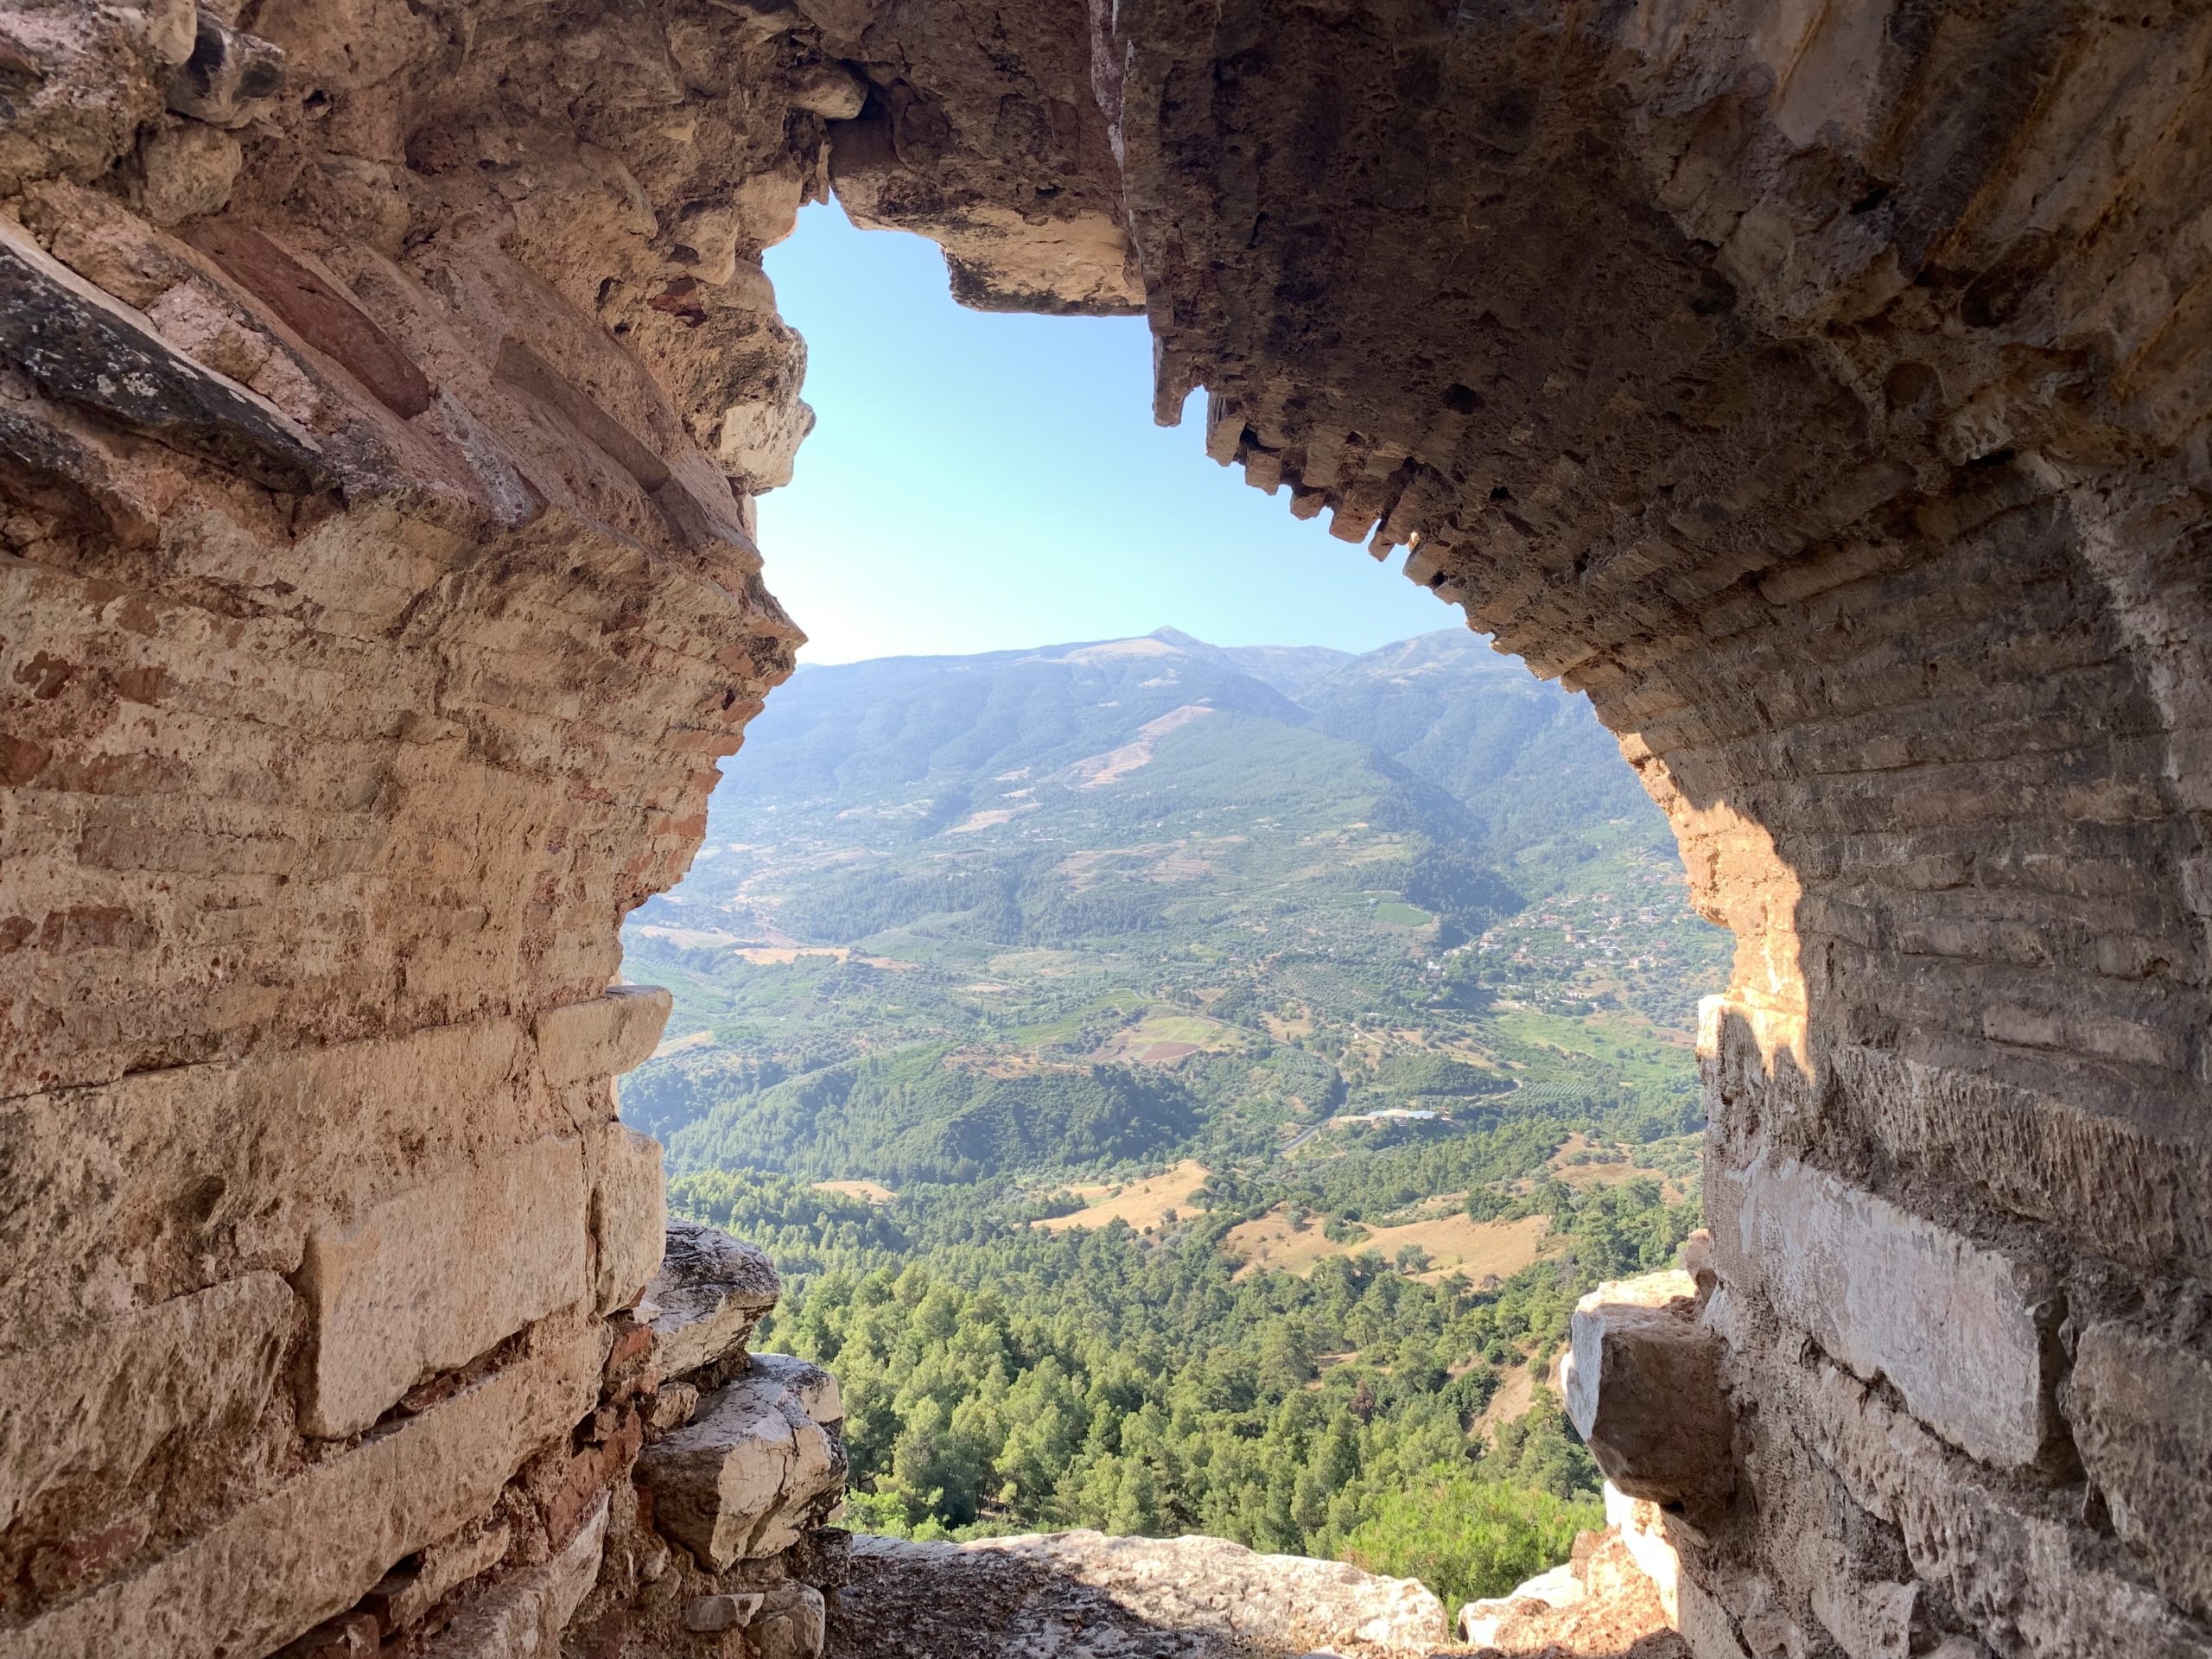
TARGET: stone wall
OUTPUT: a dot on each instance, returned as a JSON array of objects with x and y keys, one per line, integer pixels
[
  {"x": 1820, "y": 389},
  {"x": 382, "y": 397}
]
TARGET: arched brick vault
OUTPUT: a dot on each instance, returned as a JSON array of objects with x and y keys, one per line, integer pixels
[{"x": 1820, "y": 389}]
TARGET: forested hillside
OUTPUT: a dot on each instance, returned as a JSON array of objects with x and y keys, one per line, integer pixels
[{"x": 1184, "y": 1087}]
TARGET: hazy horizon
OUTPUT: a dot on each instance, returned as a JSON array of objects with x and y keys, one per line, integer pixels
[{"x": 1482, "y": 639}]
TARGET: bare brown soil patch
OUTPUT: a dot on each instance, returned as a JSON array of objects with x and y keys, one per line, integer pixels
[
  {"x": 1141, "y": 1204},
  {"x": 1116, "y": 764},
  {"x": 873, "y": 1192},
  {"x": 1479, "y": 1249}
]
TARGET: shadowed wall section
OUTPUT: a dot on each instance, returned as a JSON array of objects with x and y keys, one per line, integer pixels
[{"x": 1822, "y": 390}]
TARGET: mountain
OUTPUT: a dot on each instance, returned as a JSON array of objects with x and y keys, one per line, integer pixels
[
  {"x": 1289, "y": 669},
  {"x": 1525, "y": 756},
  {"x": 1097, "y": 901}
]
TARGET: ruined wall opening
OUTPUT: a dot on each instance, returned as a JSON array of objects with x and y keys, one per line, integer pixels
[
  {"x": 385, "y": 392},
  {"x": 1350, "y": 990}
]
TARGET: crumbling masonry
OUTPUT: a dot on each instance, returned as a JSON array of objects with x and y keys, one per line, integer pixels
[{"x": 1822, "y": 389}]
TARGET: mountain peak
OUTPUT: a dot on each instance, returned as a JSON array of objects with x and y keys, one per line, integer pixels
[{"x": 1176, "y": 637}]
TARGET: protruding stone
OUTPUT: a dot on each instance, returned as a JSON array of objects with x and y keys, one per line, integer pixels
[
  {"x": 672, "y": 1406},
  {"x": 754, "y": 1468},
  {"x": 171, "y": 29},
  {"x": 604, "y": 1036},
  {"x": 790, "y": 1624},
  {"x": 829, "y": 90},
  {"x": 327, "y": 318},
  {"x": 434, "y": 1276},
  {"x": 78, "y": 345},
  {"x": 227, "y": 76},
  {"x": 1643, "y": 1386},
  {"x": 710, "y": 1292},
  {"x": 188, "y": 169}
]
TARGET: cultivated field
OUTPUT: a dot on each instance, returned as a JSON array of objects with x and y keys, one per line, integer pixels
[
  {"x": 1581, "y": 1175},
  {"x": 1455, "y": 1244},
  {"x": 873, "y": 1192},
  {"x": 1164, "y": 1038},
  {"x": 1141, "y": 1204}
]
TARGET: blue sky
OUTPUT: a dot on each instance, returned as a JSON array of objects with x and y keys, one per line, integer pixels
[{"x": 978, "y": 482}]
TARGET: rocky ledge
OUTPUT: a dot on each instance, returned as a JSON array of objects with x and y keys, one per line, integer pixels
[
  {"x": 1082, "y": 1595},
  {"x": 1602, "y": 1602}
]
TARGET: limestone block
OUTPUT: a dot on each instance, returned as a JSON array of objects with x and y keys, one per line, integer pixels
[
  {"x": 1868, "y": 1620},
  {"x": 1705, "y": 1624},
  {"x": 188, "y": 169},
  {"x": 2005, "y": 1565},
  {"x": 2142, "y": 1412},
  {"x": 82, "y": 348},
  {"x": 95, "y": 1177},
  {"x": 401, "y": 1598},
  {"x": 790, "y": 1624},
  {"x": 1957, "y": 1328},
  {"x": 828, "y": 90},
  {"x": 319, "y": 314},
  {"x": 523, "y": 1615},
  {"x": 102, "y": 241},
  {"x": 1642, "y": 1384},
  {"x": 314, "y": 1546},
  {"x": 603, "y": 1037},
  {"x": 100, "y": 1399},
  {"x": 433, "y": 1276},
  {"x": 629, "y": 1213},
  {"x": 710, "y": 1292},
  {"x": 754, "y": 1468}
]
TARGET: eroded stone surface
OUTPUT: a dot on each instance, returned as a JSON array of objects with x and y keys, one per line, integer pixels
[
  {"x": 432, "y": 1277},
  {"x": 761, "y": 1461},
  {"x": 2142, "y": 1413},
  {"x": 1602, "y": 1602},
  {"x": 1642, "y": 1528},
  {"x": 100, "y": 1399},
  {"x": 313, "y": 1547},
  {"x": 525, "y": 1615},
  {"x": 2012, "y": 1567},
  {"x": 1955, "y": 1327},
  {"x": 1822, "y": 389},
  {"x": 629, "y": 1214},
  {"x": 1156, "y": 1598}
]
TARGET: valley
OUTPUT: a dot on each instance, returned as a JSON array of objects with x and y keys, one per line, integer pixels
[{"x": 1184, "y": 1087}]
